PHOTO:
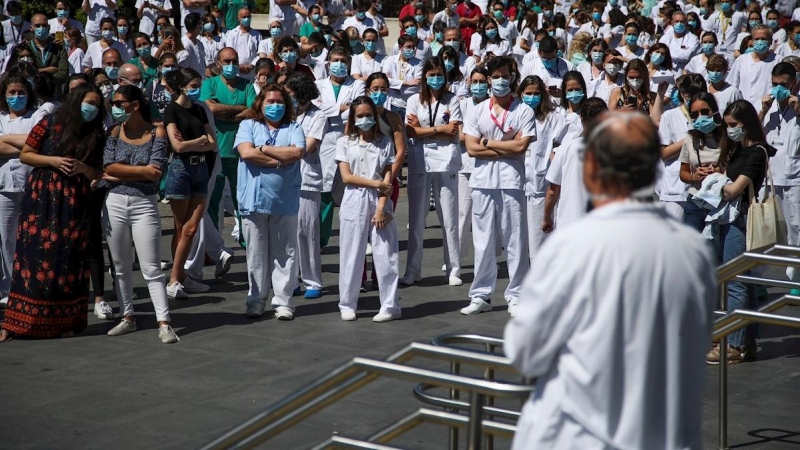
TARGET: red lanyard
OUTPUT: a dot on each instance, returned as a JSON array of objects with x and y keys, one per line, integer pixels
[{"x": 502, "y": 123}]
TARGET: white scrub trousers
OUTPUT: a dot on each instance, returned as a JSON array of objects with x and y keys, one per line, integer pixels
[
  {"x": 271, "y": 257},
  {"x": 499, "y": 211},
  {"x": 355, "y": 226},
  {"x": 130, "y": 218},
  {"x": 308, "y": 246},
  {"x": 535, "y": 212},
  {"x": 464, "y": 213},
  {"x": 789, "y": 196},
  {"x": 674, "y": 209},
  {"x": 9, "y": 219}
]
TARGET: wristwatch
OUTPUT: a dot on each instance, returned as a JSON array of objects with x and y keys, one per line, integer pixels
[
  {"x": 486, "y": 142},
  {"x": 279, "y": 165}
]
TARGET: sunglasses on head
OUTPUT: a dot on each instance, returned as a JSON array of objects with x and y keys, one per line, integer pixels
[{"x": 702, "y": 112}]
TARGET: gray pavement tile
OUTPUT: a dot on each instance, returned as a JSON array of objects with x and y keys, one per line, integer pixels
[{"x": 26, "y": 429}]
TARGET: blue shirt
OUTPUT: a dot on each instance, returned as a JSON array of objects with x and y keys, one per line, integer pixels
[{"x": 269, "y": 190}]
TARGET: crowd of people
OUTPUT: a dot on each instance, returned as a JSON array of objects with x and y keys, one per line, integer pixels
[{"x": 482, "y": 106}]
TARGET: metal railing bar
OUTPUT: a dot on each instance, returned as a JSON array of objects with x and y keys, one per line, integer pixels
[
  {"x": 425, "y": 415},
  {"x": 449, "y": 340},
  {"x": 748, "y": 317},
  {"x": 786, "y": 300},
  {"x": 767, "y": 282},
  {"x": 748, "y": 260},
  {"x": 343, "y": 442},
  {"x": 419, "y": 392}
]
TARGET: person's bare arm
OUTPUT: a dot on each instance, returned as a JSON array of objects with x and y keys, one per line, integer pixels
[
  {"x": 380, "y": 218},
  {"x": 550, "y": 200},
  {"x": 224, "y": 112},
  {"x": 477, "y": 150},
  {"x": 671, "y": 151},
  {"x": 124, "y": 172},
  {"x": 733, "y": 190},
  {"x": 516, "y": 146},
  {"x": 181, "y": 146},
  {"x": 355, "y": 180},
  {"x": 312, "y": 144},
  {"x": 399, "y": 143},
  {"x": 11, "y": 145},
  {"x": 111, "y": 4}
]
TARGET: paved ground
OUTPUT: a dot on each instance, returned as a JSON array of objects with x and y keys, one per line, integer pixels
[{"x": 131, "y": 392}]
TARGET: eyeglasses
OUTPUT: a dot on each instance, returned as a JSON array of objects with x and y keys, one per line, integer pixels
[
  {"x": 120, "y": 103},
  {"x": 702, "y": 112}
]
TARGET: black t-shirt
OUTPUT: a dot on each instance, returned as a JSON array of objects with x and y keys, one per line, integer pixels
[
  {"x": 190, "y": 122},
  {"x": 752, "y": 163}
]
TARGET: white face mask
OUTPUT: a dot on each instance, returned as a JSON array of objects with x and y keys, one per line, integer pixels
[
  {"x": 612, "y": 69},
  {"x": 635, "y": 83}
]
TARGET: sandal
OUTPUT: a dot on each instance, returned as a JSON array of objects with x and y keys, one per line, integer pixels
[{"x": 5, "y": 336}]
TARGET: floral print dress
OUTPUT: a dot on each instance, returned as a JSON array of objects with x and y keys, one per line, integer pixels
[{"x": 50, "y": 282}]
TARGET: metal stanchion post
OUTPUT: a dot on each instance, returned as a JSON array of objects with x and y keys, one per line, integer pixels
[
  {"x": 455, "y": 368},
  {"x": 475, "y": 421},
  {"x": 723, "y": 375}
]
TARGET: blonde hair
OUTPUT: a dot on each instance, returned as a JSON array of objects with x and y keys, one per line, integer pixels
[{"x": 579, "y": 44}]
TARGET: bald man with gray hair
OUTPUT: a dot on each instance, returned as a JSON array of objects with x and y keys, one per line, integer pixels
[
  {"x": 615, "y": 315},
  {"x": 131, "y": 75}
]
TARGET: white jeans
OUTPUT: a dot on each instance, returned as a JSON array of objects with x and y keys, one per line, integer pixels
[
  {"x": 9, "y": 219},
  {"x": 499, "y": 211},
  {"x": 535, "y": 212},
  {"x": 355, "y": 226},
  {"x": 464, "y": 213},
  {"x": 308, "y": 248},
  {"x": 127, "y": 218},
  {"x": 207, "y": 240},
  {"x": 271, "y": 257},
  {"x": 789, "y": 196}
]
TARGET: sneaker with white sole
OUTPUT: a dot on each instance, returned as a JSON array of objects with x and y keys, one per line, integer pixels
[
  {"x": 455, "y": 281},
  {"x": 385, "y": 317},
  {"x": 167, "y": 335},
  {"x": 512, "y": 309},
  {"x": 409, "y": 279},
  {"x": 254, "y": 310},
  {"x": 348, "y": 316},
  {"x": 223, "y": 265},
  {"x": 369, "y": 249},
  {"x": 444, "y": 267},
  {"x": 191, "y": 286},
  {"x": 4, "y": 303},
  {"x": 103, "y": 311},
  {"x": 476, "y": 306},
  {"x": 284, "y": 313},
  {"x": 175, "y": 290},
  {"x": 124, "y": 327}
]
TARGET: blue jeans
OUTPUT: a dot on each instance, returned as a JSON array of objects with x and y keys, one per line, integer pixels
[
  {"x": 185, "y": 180},
  {"x": 693, "y": 215},
  {"x": 732, "y": 243}
]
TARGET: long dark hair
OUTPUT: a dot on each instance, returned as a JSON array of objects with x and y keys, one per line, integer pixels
[
  {"x": 178, "y": 79},
  {"x": 569, "y": 76},
  {"x": 746, "y": 114},
  {"x": 426, "y": 93},
  {"x": 351, "y": 128},
  {"x": 546, "y": 105},
  {"x": 134, "y": 94},
  {"x": 12, "y": 78},
  {"x": 80, "y": 139},
  {"x": 455, "y": 75}
]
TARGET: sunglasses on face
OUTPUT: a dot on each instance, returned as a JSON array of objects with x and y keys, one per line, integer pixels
[{"x": 702, "y": 112}]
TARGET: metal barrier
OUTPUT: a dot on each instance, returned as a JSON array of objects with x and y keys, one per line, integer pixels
[
  {"x": 777, "y": 255},
  {"x": 359, "y": 372}
]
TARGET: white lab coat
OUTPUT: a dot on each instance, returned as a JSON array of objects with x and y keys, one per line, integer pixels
[
  {"x": 397, "y": 72},
  {"x": 330, "y": 104},
  {"x": 615, "y": 321}
]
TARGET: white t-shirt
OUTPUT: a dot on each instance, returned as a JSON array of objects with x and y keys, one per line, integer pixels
[
  {"x": 537, "y": 158},
  {"x": 366, "y": 159},
  {"x": 14, "y": 174},
  {"x": 451, "y": 21},
  {"x": 94, "y": 54},
  {"x": 314, "y": 124},
  {"x": 784, "y": 50},
  {"x": 366, "y": 67},
  {"x": 500, "y": 173},
  {"x": 674, "y": 126},
  {"x": 602, "y": 89},
  {"x": 753, "y": 79},
  {"x": 440, "y": 155},
  {"x": 148, "y": 21},
  {"x": 566, "y": 170},
  {"x": 361, "y": 25},
  {"x": 99, "y": 11},
  {"x": 57, "y": 27},
  {"x": 698, "y": 65},
  {"x": 501, "y": 48},
  {"x": 727, "y": 96},
  {"x": 75, "y": 60},
  {"x": 246, "y": 46},
  {"x": 636, "y": 54},
  {"x": 696, "y": 153}
]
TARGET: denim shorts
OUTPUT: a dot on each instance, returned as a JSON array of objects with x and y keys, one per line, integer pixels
[{"x": 185, "y": 180}]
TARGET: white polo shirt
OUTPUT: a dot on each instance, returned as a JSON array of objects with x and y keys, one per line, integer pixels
[
  {"x": 315, "y": 125},
  {"x": 366, "y": 159},
  {"x": 566, "y": 170},
  {"x": 364, "y": 66},
  {"x": 537, "y": 158},
  {"x": 440, "y": 155}
]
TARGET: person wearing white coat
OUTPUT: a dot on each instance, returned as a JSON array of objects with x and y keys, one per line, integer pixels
[
  {"x": 433, "y": 118},
  {"x": 405, "y": 75},
  {"x": 615, "y": 312},
  {"x": 335, "y": 95},
  {"x": 497, "y": 137},
  {"x": 365, "y": 156}
]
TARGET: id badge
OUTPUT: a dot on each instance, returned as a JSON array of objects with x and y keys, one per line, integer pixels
[{"x": 430, "y": 145}]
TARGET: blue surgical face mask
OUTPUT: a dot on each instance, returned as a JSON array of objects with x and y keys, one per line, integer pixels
[
  {"x": 707, "y": 48},
  {"x": 438, "y": 36},
  {"x": 702, "y": 10},
  {"x": 193, "y": 94},
  {"x": 749, "y": 50},
  {"x": 754, "y": 23},
  {"x": 773, "y": 24},
  {"x": 119, "y": 114},
  {"x": 532, "y": 100},
  {"x": 632, "y": 39},
  {"x": 328, "y": 39},
  {"x": 714, "y": 77},
  {"x": 245, "y": 21},
  {"x": 704, "y": 124},
  {"x": 411, "y": 31},
  {"x": 596, "y": 16},
  {"x": 275, "y": 31},
  {"x": 408, "y": 53},
  {"x": 675, "y": 97},
  {"x": 657, "y": 59},
  {"x": 365, "y": 123},
  {"x": 500, "y": 87},
  {"x": 17, "y": 102},
  {"x": 89, "y": 112},
  {"x": 796, "y": 38},
  {"x": 491, "y": 33},
  {"x": 338, "y": 69},
  {"x": 41, "y": 33},
  {"x": 108, "y": 34},
  {"x": 62, "y": 13},
  {"x": 435, "y": 82},
  {"x": 419, "y": 19},
  {"x": 479, "y": 90},
  {"x": 452, "y": 44},
  {"x": 549, "y": 63},
  {"x": 735, "y": 133},
  {"x": 498, "y": 14},
  {"x": 761, "y": 46},
  {"x": 559, "y": 53},
  {"x": 16, "y": 20},
  {"x": 166, "y": 70},
  {"x": 597, "y": 57},
  {"x": 230, "y": 71},
  {"x": 112, "y": 72},
  {"x": 209, "y": 27},
  {"x": 449, "y": 65},
  {"x": 361, "y": 15},
  {"x": 289, "y": 57},
  {"x": 354, "y": 43},
  {"x": 679, "y": 27},
  {"x": 370, "y": 46},
  {"x": 274, "y": 111},
  {"x": 144, "y": 52},
  {"x": 378, "y": 97},
  {"x": 726, "y": 7},
  {"x": 779, "y": 93},
  {"x": 692, "y": 24},
  {"x": 316, "y": 18},
  {"x": 577, "y": 59},
  {"x": 167, "y": 95},
  {"x": 122, "y": 30},
  {"x": 575, "y": 97}
]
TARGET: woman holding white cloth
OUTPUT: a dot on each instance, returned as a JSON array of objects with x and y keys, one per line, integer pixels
[{"x": 433, "y": 119}]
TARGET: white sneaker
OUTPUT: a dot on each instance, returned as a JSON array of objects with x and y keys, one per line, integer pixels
[
  {"x": 284, "y": 313},
  {"x": 408, "y": 280},
  {"x": 4, "y": 303},
  {"x": 103, "y": 311},
  {"x": 512, "y": 309},
  {"x": 476, "y": 306},
  {"x": 455, "y": 281},
  {"x": 167, "y": 335},
  {"x": 223, "y": 265},
  {"x": 369, "y": 249},
  {"x": 124, "y": 327},
  {"x": 349, "y": 316},
  {"x": 191, "y": 286},
  {"x": 254, "y": 310},
  {"x": 175, "y": 290},
  {"x": 444, "y": 267},
  {"x": 385, "y": 317},
  {"x": 165, "y": 265}
]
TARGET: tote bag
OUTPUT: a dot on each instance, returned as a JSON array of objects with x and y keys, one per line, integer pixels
[{"x": 765, "y": 222}]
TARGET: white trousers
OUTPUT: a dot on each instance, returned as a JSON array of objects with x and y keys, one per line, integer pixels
[
  {"x": 125, "y": 219},
  {"x": 9, "y": 219},
  {"x": 355, "y": 226},
  {"x": 535, "y": 211},
  {"x": 207, "y": 240},
  {"x": 308, "y": 247},
  {"x": 271, "y": 257},
  {"x": 789, "y": 196},
  {"x": 445, "y": 197},
  {"x": 464, "y": 213},
  {"x": 499, "y": 211},
  {"x": 674, "y": 209}
]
